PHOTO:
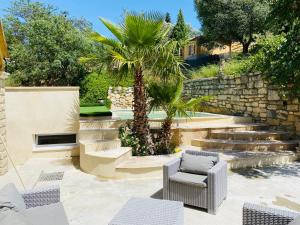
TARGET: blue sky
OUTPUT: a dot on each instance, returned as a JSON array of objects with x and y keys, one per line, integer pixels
[{"x": 113, "y": 9}]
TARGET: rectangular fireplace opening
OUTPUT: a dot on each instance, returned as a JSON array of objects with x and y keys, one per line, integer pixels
[{"x": 54, "y": 139}]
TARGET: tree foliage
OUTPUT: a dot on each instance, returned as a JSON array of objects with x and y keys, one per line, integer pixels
[
  {"x": 95, "y": 86},
  {"x": 180, "y": 32},
  {"x": 279, "y": 56},
  {"x": 227, "y": 21},
  {"x": 168, "y": 97},
  {"x": 44, "y": 45},
  {"x": 168, "y": 18}
]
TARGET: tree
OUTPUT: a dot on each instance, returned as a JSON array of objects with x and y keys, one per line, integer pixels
[
  {"x": 226, "y": 21},
  {"x": 168, "y": 97},
  {"x": 180, "y": 32},
  {"x": 140, "y": 48},
  {"x": 168, "y": 18},
  {"x": 284, "y": 14},
  {"x": 44, "y": 45},
  {"x": 279, "y": 56}
]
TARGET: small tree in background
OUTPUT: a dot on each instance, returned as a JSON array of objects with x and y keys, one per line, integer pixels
[
  {"x": 227, "y": 21},
  {"x": 168, "y": 97},
  {"x": 168, "y": 18},
  {"x": 180, "y": 32}
]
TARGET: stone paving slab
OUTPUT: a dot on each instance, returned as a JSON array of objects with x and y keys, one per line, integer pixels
[{"x": 89, "y": 200}]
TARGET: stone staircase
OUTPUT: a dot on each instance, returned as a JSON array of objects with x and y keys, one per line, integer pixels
[
  {"x": 100, "y": 148},
  {"x": 101, "y": 153},
  {"x": 250, "y": 145},
  {"x": 240, "y": 144}
]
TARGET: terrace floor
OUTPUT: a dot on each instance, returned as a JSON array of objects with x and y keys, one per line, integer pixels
[{"x": 89, "y": 200}]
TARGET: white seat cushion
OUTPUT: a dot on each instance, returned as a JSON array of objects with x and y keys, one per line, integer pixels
[
  {"x": 10, "y": 217},
  {"x": 190, "y": 179},
  {"x": 296, "y": 221},
  {"x": 53, "y": 214},
  {"x": 11, "y": 199}
]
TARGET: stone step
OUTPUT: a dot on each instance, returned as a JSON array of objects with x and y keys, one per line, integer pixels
[
  {"x": 141, "y": 167},
  {"x": 243, "y": 145},
  {"x": 100, "y": 145},
  {"x": 99, "y": 134},
  {"x": 99, "y": 124},
  {"x": 252, "y": 159},
  {"x": 247, "y": 159},
  {"x": 251, "y": 135},
  {"x": 111, "y": 153},
  {"x": 238, "y": 160},
  {"x": 225, "y": 127},
  {"x": 103, "y": 163},
  {"x": 240, "y": 127}
]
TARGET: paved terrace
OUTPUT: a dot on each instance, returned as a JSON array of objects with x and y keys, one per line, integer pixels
[{"x": 89, "y": 200}]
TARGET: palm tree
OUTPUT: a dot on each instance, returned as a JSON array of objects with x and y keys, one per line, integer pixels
[
  {"x": 140, "y": 48},
  {"x": 168, "y": 97}
]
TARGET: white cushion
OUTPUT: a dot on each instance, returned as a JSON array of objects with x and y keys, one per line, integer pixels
[
  {"x": 296, "y": 221},
  {"x": 53, "y": 214},
  {"x": 190, "y": 179},
  {"x": 197, "y": 164},
  {"x": 10, "y": 217},
  {"x": 11, "y": 199}
]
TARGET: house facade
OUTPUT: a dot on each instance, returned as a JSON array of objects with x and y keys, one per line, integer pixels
[{"x": 193, "y": 49}]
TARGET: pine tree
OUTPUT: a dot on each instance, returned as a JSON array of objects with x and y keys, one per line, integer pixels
[
  {"x": 180, "y": 31},
  {"x": 168, "y": 18}
]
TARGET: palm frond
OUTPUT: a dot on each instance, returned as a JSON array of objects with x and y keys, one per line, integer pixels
[
  {"x": 113, "y": 28},
  {"x": 164, "y": 63},
  {"x": 142, "y": 30},
  {"x": 178, "y": 92},
  {"x": 104, "y": 40}
]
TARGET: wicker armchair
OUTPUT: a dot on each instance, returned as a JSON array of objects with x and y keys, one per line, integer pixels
[
  {"x": 40, "y": 206},
  {"x": 209, "y": 197},
  {"x": 260, "y": 215}
]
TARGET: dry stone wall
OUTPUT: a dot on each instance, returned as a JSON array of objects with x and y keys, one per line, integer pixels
[
  {"x": 248, "y": 95},
  {"x": 3, "y": 156},
  {"x": 120, "y": 97}
]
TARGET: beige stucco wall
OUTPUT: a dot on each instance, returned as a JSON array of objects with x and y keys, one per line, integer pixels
[
  {"x": 3, "y": 156},
  {"x": 39, "y": 110}
]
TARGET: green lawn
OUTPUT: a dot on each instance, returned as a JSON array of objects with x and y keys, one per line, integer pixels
[{"x": 94, "y": 111}]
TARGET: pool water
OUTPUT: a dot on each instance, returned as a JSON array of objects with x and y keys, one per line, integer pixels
[{"x": 128, "y": 114}]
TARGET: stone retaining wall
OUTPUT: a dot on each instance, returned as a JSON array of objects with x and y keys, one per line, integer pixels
[
  {"x": 3, "y": 156},
  {"x": 249, "y": 95},
  {"x": 120, "y": 97}
]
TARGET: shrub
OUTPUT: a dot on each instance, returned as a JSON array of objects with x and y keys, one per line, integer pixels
[
  {"x": 129, "y": 139},
  {"x": 205, "y": 71},
  {"x": 278, "y": 57},
  {"x": 236, "y": 67},
  {"x": 95, "y": 86},
  {"x": 264, "y": 52}
]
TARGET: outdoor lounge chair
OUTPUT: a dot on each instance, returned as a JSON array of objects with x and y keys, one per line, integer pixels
[
  {"x": 35, "y": 207},
  {"x": 195, "y": 180},
  {"x": 260, "y": 215}
]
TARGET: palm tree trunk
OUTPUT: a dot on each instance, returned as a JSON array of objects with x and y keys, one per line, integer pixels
[
  {"x": 140, "y": 119},
  {"x": 164, "y": 136}
]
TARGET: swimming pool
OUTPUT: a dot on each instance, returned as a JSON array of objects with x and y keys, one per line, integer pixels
[{"x": 159, "y": 115}]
